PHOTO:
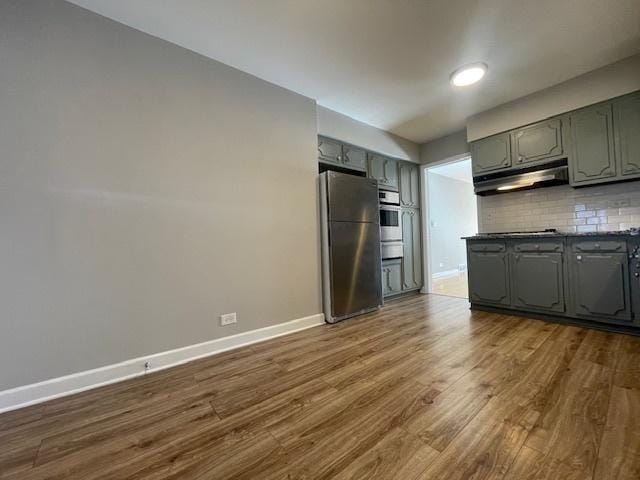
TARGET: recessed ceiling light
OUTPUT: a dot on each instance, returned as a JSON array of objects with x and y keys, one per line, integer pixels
[{"x": 469, "y": 74}]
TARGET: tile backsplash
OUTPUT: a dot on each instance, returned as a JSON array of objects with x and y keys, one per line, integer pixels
[{"x": 587, "y": 209}]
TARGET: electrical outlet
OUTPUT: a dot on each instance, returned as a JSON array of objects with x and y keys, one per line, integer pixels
[
  {"x": 228, "y": 319},
  {"x": 621, "y": 202}
]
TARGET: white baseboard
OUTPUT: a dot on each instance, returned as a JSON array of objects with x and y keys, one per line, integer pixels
[
  {"x": 78, "y": 382},
  {"x": 446, "y": 273}
]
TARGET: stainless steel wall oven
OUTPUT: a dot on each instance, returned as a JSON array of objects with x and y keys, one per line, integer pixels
[{"x": 390, "y": 217}]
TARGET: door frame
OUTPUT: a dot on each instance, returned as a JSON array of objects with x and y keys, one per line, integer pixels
[{"x": 426, "y": 220}]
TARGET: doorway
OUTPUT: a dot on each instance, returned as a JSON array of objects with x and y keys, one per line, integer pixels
[{"x": 452, "y": 213}]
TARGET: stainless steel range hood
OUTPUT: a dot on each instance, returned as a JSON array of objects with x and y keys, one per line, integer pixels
[{"x": 556, "y": 173}]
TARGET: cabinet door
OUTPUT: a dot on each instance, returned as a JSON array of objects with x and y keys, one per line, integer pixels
[
  {"x": 600, "y": 285},
  {"x": 390, "y": 168},
  {"x": 626, "y": 127},
  {"x": 355, "y": 158},
  {"x": 409, "y": 185},
  {"x": 537, "y": 281},
  {"x": 540, "y": 142},
  {"x": 491, "y": 154},
  {"x": 391, "y": 278},
  {"x": 384, "y": 170},
  {"x": 592, "y": 159},
  {"x": 329, "y": 151},
  {"x": 488, "y": 277},
  {"x": 412, "y": 256}
]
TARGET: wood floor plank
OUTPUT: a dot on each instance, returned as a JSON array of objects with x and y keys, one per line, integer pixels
[
  {"x": 533, "y": 465},
  {"x": 487, "y": 446},
  {"x": 571, "y": 425},
  {"x": 619, "y": 454},
  {"x": 399, "y": 454},
  {"x": 422, "y": 389},
  {"x": 628, "y": 367}
]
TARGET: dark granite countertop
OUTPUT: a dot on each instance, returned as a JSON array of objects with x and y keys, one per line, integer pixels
[{"x": 495, "y": 236}]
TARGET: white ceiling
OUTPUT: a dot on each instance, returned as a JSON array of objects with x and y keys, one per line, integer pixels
[
  {"x": 460, "y": 170},
  {"x": 387, "y": 62}
]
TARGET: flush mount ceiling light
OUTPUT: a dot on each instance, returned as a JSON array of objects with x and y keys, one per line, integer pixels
[{"x": 468, "y": 75}]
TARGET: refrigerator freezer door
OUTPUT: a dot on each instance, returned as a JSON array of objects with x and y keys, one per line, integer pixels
[
  {"x": 352, "y": 199},
  {"x": 356, "y": 285}
]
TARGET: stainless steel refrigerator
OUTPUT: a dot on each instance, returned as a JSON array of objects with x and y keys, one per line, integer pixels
[{"x": 350, "y": 226}]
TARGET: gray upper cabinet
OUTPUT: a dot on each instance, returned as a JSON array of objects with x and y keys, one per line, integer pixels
[
  {"x": 537, "y": 281},
  {"x": 391, "y": 277},
  {"x": 600, "y": 284},
  {"x": 601, "y": 143},
  {"x": 346, "y": 156},
  {"x": 626, "y": 126},
  {"x": 491, "y": 154},
  {"x": 384, "y": 170},
  {"x": 488, "y": 267},
  {"x": 409, "y": 185},
  {"x": 412, "y": 242},
  {"x": 355, "y": 158},
  {"x": 329, "y": 151},
  {"x": 592, "y": 157},
  {"x": 537, "y": 143}
]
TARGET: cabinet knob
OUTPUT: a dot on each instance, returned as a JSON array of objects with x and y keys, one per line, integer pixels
[
  {"x": 578, "y": 257},
  {"x": 597, "y": 245}
]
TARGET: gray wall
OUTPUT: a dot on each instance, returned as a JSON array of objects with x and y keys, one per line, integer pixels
[
  {"x": 338, "y": 126},
  {"x": 449, "y": 146},
  {"x": 592, "y": 87},
  {"x": 588, "y": 209},
  {"x": 144, "y": 190},
  {"x": 452, "y": 215}
]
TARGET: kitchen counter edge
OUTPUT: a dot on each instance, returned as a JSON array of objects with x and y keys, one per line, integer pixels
[{"x": 496, "y": 236}]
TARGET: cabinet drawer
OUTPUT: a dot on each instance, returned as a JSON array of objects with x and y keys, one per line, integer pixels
[
  {"x": 600, "y": 246},
  {"x": 539, "y": 247},
  {"x": 487, "y": 247}
]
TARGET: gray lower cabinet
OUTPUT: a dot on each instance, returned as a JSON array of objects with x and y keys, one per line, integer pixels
[
  {"x": 384, "y": 170},
  {"x": 537, "y": 281},
  {"x": 600, "y": 285},
  {"x": 580, "y": 277},
  {"x": 536, "y": 143},
  {"x": 626, "y": 127},
  {"x": 488, "y": 273},
  {"x": 391, "y": 277},
  {"x": 412, "y": 259},
  {"x": 491, "y": 154},
  {"x": 592, "y": 157},
  {"x": 409, "y": 185},
  {"x": 354, "y": 157}
]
